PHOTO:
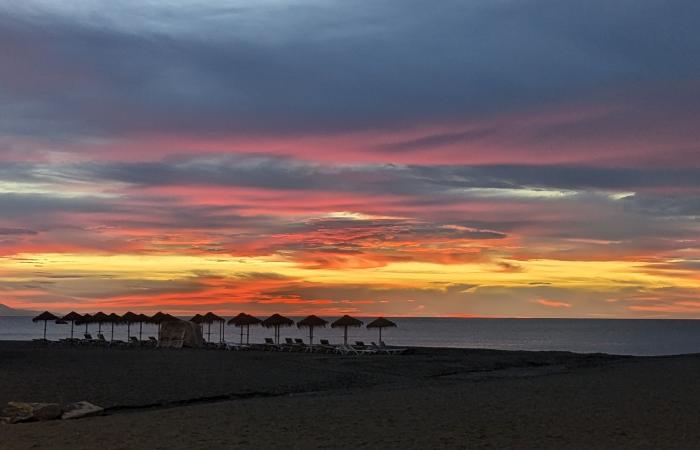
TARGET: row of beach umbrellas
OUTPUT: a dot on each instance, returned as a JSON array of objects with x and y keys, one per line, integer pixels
[{"x": 243, "y": 321}]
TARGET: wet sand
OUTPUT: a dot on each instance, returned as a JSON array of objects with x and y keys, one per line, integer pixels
[{"x": 434, "y": 398}]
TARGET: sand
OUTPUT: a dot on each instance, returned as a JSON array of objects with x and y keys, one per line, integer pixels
[{"x": 435, "y": 398}]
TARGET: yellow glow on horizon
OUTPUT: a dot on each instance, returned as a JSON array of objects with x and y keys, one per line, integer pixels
[{"x": 595, "y": 275}]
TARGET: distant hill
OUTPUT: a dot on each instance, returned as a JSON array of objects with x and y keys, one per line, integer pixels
[{"x": 7, "y": 311}]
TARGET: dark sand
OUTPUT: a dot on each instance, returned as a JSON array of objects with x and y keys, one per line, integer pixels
[{"x": 435, "y": 398}]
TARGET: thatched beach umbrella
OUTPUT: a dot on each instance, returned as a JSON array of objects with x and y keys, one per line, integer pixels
[
  {"x": 71, "y": 317},
  {"x": 199, "y": 320},
  {"x": 244, "y": 320},
  {"x": 345, "y": 322},
  {"x": 130, "y": 318},
  {"x": 85, "y": 320},
  {"x": 380, "y": 323},
  {"x": 312, "y": 322},
  {"x": 210, "y": 318},
  {"x": 276, "y": 321},
  {"x": 158, "y": 318},
  {"x": 142, "y": 319},
  {"x": 45, "y": 317},
  {"x": 100, "y": 318},
  {"x": 114, "y": 319}
]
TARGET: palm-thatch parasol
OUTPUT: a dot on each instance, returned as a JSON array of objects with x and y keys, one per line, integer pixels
[
  {"x": 142, "y": 319},
  {"x": 129, "y": 318},
  {"x": 210, "y": 318},
  {"x": 380, "y": 323},
  {"x": 244, "y": 320},
  {"x": 85, "y": 320},
  {"x": 45, "y": 317},
  {"x": 312, "y": 322},
  {"x": 100, "y": 318},
  {"x": 199, "y": 320},
  {"x": 114, "y": 319},
  {"x": 158, "y": 318},
  {"x": 71, "y": 317},
  {"x": 276, "y": 321},
  {"x": 346, "y": 322}
]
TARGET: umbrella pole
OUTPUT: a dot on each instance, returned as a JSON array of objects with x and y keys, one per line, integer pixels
[
  {"x": 345, "y": 336},
  {"x": 45, "y": 329},
  {"x": 111, "y": 338},
  {"x": 311, "y": 335},
  {"x": 140, "y": 330},
  {"x": 86, "y": 327},
  {"x": 71, "y": 330},
  {"x": 99, "y": 327},
  {"x": 380, "y": 335},
  {"x": 241, "y": 334},
  {"x": 247, "y": 334},
  {"x": 128, "y": 331}
]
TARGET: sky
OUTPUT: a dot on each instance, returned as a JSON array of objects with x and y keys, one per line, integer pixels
[{"x": 474, "y": 158}]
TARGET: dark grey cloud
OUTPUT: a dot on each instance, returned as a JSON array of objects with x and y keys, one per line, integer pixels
[{"x": 314, "y": 66}]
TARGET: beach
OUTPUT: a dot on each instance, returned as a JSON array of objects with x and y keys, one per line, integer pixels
[{"x": 430, "y": 398}]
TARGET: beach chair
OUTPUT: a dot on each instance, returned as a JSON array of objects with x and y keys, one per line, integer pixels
[
  {"x": 360, "y": 345},
  {"x": 101, "y": 340},
  {"x": 88, "y": 340},
  {"x": 327, "y": 347},
  {"x": 303, "y": 346},
  {"x": 391, "y": 350},
  {"x": 153, "y": 342},
  {"x": 134, "y": 341},
  {"x": 290, "y": 345},
  {"x": 270, "y": 345}
]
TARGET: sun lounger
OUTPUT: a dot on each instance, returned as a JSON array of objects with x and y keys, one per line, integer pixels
[
  {"x": 327, "y": 347},
  {"x": 382, "y": 347},
  {"x": 134, "y": 341},
  {"x": 153, "y": 342},
  {"x": 270, "y": 345}
]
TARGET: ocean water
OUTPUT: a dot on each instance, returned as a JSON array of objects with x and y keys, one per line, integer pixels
[{"x": 628, "y": 337}]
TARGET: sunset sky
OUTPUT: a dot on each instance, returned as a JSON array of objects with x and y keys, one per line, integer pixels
[{"x": 518, "y": 158}]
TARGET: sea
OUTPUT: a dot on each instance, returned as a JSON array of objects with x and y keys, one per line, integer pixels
[{"x": 615, "y": 336}]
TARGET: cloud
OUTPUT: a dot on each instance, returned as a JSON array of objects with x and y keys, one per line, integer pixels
[
  {"x": 256, "y": 68},
  {"x": 553, "y": 303}
]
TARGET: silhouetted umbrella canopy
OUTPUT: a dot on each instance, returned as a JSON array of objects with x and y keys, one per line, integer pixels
[
  {"x": 345, "y": 322},
  {"x": 312, "y": 322},
  {"x": 114, "y": 319},
  {"x": 130, "y": 317},
  {"x": 276, "y": 321},
  {"x": 100, "y": 317},
  {"x": 244, "y": 320},
  {"x": 45, "y": 316},
  {"x": 84, "y": 320},
  {"x": 168, "y": 317},
  {"x": 158, "y": 317},
  {"x": 198, "y": 318},
  {"x": 211, "y": 317},
  {"x": 380, "y": 323},
  {"x": 71, "y": 317}
]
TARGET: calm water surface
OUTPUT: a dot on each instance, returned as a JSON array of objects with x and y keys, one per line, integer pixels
[{"x": 630, "y": 337}]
